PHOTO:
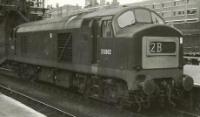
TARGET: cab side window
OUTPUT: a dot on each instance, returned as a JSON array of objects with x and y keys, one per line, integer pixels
[
  {"x": 107, "y": 30},
  {"x": 156, "y": 19}
]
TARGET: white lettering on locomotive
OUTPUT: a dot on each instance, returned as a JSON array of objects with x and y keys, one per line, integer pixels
[
  {"x": 159, "y": 47},
  {"x": 153, "y": 46},
  {"x": 50, "y": 35},
  {"x": 156, "y": 47},
  {"x": 106, "y": 51}
]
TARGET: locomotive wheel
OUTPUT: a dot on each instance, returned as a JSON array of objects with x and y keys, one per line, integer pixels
[
  {"x": 94, "y": 89},
  {"x": 111, "y": 93},
  {"x": 106, "y": 90},
  {"x": 115, "y": 91},
  {"x": 142, "y": 101}
]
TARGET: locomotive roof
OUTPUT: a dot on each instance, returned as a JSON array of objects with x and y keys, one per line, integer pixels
[
  {"x": 69, "y": 22},
  {"x": 104, "y": 12}
]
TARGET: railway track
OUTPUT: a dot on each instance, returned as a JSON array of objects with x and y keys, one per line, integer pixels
[
  {"x": 42, "y": 107},
  {"x": 170, "y": 112},
  {"x": 52, "y": 111},
  {"x": 58, "y": 97},
  {"x": 181, "y": 113}
]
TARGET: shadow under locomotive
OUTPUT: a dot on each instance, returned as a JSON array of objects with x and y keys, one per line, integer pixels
[{"x": 124, "y": 55}]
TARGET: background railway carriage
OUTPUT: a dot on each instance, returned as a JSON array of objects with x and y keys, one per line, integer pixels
[{"x": 118, "y": 54}]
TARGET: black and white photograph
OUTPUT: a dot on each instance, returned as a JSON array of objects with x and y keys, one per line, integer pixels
[{"x": 99, "y": 58}]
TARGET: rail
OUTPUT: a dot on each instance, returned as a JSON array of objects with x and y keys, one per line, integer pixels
[{"x": 48, "y": 108}]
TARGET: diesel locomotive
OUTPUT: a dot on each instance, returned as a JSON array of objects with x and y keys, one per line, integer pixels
[{"x": 123, "y": 54}]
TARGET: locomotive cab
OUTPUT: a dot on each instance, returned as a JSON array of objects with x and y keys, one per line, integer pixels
[
  {"x": 156, "y": 52},
  {"x": 139, "y": 42},
  {"x": 157, "y": 49},
  {"x": 135, "y": 16},
  {"x": 136, "y": 42}
]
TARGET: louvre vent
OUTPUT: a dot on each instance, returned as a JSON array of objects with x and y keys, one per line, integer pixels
[{"x": 64, "y": 47}]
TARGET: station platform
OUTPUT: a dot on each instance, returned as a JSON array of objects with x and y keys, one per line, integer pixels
[
  {"x": 194, "y": 72},
  {"x": 12, "y": 108}
]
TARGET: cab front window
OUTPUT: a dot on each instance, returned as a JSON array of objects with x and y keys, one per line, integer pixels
[
  {"x": 156, "y": 19},
  {"x": 138, "y": 15},
  {"x": 126, "y": 19},
  {"x": 143, "y": 16}
]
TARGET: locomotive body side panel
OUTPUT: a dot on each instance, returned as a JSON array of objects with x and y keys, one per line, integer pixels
[
  {"x": 35, "y": 45},
  {"x": 115, "y": 53}
]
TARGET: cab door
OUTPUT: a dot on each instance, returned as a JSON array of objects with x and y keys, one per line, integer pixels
[
  {"x": 106, "y": 43},
  {"x": 87, "y": 48},
  {"x": 95, "y": 36}
]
